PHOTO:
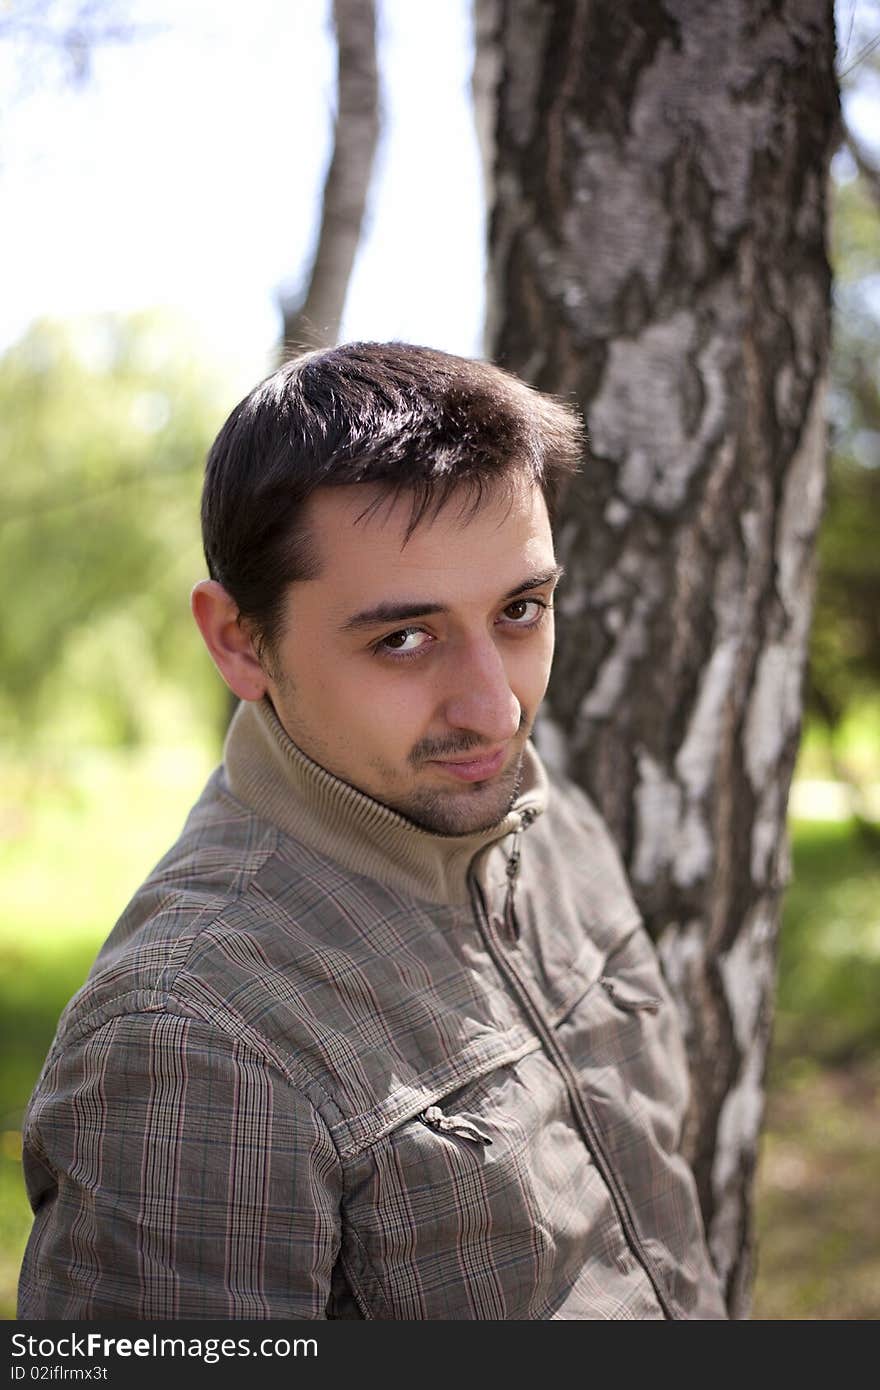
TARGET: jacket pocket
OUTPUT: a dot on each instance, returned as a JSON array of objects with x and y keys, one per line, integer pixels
[
  {"x": 623, "y": 1038},
  {"x": 483, "y": 1204},
  {"x": 413, "y": 1096}
]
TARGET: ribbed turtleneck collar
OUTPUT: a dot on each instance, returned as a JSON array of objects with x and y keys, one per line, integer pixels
[{"x": 266, "y": 770}]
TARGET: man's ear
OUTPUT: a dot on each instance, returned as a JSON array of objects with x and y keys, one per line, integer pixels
[{"x": 228, "y": 640}]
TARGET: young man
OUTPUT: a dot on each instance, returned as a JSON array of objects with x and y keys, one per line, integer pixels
[{"x": 382, "y": 1035}]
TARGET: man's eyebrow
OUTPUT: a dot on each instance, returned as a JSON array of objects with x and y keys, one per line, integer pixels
[{"x": 392, "y": 612}]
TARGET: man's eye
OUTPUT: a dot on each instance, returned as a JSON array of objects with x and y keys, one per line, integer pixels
[
  {"x": 408, "y": 640},
  {"x": 525, "y": 611}
]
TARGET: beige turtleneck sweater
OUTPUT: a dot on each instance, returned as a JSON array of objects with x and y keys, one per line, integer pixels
[{"x": 266, "y": 770}]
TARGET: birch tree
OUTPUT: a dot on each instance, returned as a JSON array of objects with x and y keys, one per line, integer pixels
[{"x": 658, "y": 176}]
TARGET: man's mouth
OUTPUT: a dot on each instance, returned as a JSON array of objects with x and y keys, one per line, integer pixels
[{"x": 477, "y": 769}]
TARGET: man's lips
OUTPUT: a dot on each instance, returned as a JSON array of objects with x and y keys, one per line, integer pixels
[{"x": 472, "y": 769}]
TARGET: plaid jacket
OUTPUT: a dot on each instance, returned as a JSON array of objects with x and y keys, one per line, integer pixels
[{"x": 329, "y": 1065}]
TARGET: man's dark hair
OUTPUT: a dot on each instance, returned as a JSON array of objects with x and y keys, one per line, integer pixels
[{"x": 410, "y": 419}]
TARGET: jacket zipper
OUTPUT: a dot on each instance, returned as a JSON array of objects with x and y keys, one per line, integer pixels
[
  {"x": 511, "y": 926},
  {"x": 583, "y": 1118}
]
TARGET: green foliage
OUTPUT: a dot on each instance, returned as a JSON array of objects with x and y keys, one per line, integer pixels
[
  {"x": 829, "y": 961},
  {"x": 104, "y": 425},
  {"x": 845, "y": 650},
  {"x": 845, "y": 646}
]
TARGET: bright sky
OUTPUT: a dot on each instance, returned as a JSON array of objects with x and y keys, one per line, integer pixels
[{"x": 188, "y": 172}]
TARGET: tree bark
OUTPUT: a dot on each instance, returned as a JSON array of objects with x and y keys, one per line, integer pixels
[
  {"x": 314, "y": 322},
  {"x": 658, "y": 255}
]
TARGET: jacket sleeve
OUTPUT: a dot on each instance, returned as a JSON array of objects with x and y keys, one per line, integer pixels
[{"x": 174, "y": 1173}]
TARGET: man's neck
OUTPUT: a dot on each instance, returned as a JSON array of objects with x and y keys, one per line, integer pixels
[{"x": 266, "y": 770}]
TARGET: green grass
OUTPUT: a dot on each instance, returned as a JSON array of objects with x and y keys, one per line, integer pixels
[
  {"x": 76, "y": 840},
  {"x": 829, "y": 955},
  {"x": 817, "y": 1215},
  {"x": 818, "y": 1219}
]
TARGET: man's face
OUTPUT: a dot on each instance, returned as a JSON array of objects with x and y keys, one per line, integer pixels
[{"x": 413, "y": 669}]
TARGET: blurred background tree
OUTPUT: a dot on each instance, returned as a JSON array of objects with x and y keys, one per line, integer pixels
[
  {"x": 845, "y": 646},
  {"x": 104, "y": 425},
  {"x": 312, "y": 319}
]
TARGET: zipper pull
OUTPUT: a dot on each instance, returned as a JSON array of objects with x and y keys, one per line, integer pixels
[
  {"x": 508, "y": 922},
  {"x": 631, "y": 1003},
  {"x": 511, "y": 926},
  {"x": 434, "y": 1118}
]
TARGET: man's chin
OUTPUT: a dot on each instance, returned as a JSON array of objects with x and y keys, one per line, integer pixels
[{"x": 466, "y": 810}]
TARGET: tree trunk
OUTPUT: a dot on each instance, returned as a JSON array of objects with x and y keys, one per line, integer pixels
[
  {"x": 315, "y": 321},
  {"x": 658, "y": 255}
]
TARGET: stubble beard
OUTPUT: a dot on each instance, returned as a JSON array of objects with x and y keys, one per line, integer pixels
[{"x": 464, "y": 810}]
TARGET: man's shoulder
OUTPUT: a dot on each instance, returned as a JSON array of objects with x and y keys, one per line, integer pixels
[
  {"x": 221, "y": 848},
  {"x": 571, "y": 811},
  {"x": 190, "y": 915},
  {"x": 575, "y": 851},
  {"x": 569, "y": 798}
]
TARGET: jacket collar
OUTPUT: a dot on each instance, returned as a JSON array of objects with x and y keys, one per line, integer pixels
[{"x": 266, "y": 770}]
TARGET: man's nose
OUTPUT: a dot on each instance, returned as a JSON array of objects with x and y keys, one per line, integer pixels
[{"x": 480, "y": 699}]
